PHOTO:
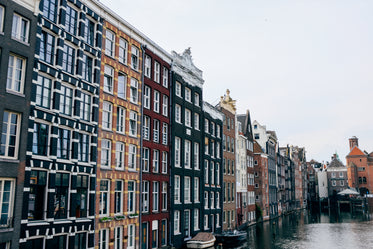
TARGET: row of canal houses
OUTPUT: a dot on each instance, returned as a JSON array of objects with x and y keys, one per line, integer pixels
[{"x": 107, "y": 142}]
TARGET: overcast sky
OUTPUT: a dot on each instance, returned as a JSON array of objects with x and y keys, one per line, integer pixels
[{"x": 302, "y": 68}]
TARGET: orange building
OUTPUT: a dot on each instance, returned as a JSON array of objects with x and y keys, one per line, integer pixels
[{"x": 359, "y": 168}]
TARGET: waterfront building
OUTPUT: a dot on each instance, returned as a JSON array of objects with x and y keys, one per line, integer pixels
[
  {"x": 212, "y": 170},
  {"x": 248, "y": 201},
  {"x": 18, "y": 24},
  {"x": 268, "y": 142},
  {"x": 228, "y": 107},
  {"x": 281, "y": 195},
  {"x": 337, "y": 176},
  {"x": 261, "y": 182},
  {"x": 155, "y": 148},
  {"x": 359, "y": 168},
  {"x": 60, "y": 177},
  {"x": 298, "y": 156},
  {"x": 187, "y": 199}
]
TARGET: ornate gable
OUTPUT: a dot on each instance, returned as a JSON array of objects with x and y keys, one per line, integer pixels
[{"x": 228, "y": 103}]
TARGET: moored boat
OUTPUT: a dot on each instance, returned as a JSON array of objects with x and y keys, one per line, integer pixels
[
  {"x": 201, "y": 240},
  {"x": 231, "y": 238}
]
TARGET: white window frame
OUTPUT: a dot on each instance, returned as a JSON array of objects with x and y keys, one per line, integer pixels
[
  {"x": 156, "y": 101},
  {"x": 123, "y": 51},
  {"x": 178, "y": 113},
  {"x": 165, "y": 105},
  {"x": 206, "y": 221},
  {"x": 134, "y": 94},
  {"x": 187, "y": 154},
  {"x": 9, "y": 132},
  {"x": 196, "y": 190},
  {"x": 155, "y": 196},
  {"x": 2, "y": 12},
  {"x": 196, "y": 121},
  {"x": 20, "y": 28},
  {"x": 147, "y": 66},
  {"x": 147, "y": 93},
  {"x": 121, "y": 120},
  {"x": 109, "y": 43},
  {"x": 132, "y": 156},
  {"x": 104, "y": 239},
  {"x": 164, "y": 162},
  {"x": 146, "y": 128},
  {"x": 165, "y": 77},
  {"x": 118, "y": 237},
  {"x": 7, "y": 205},
  {"x": 206, "y": 198},
  {"x": 145, "y": 197},
  {"x": 188, "y": 118},
  {"x": 101, "y": 207},
  {"x": 156, "y": 130},
  {"x": 133, "y": 124},
  {"x": 176, "y": 222},
  {"x": 196, "y": 155},
  {"x": 196, "y": 219},
  {"x": 108, "y": 79},
  {"x": 131, "y": 232},
  {"x": 145, "y": 159},
  {"x": 119, "y": 155},
  {"x": 178, "y": 89},
  {"x": 12, "y": 83},
  {"x": 164, "y": 196},
  {"x": 165, "y": 134},
  {"x": 131, "y": 195},
  {"x": 107, "y": 115},
  {"x": 196, "y": 99},
  {"x": 157, "y": 72},
  {"x": 177, "y": 152},
  {"x": 122, "y": 84},
  {"x": 135, "y": 58},
  {"x": 187, "y": 189},
  {"x": 188, "y": 94},
  {"x": 155, "y": 166},
  {"x": 105, "y": 151},
  {"x": 177, "y": 186}
]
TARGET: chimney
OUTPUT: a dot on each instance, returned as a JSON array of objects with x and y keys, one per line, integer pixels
[{"x": 354, "y": 141}]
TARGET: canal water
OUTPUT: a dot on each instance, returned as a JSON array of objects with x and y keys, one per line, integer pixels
[{"x": 304, "y": 230}]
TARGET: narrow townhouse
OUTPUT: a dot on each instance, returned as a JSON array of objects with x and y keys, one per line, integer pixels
[
  {"x": 155, "y": 172},
  {"x": 60, "y": 174},
  {"x": 212, "y": 176},
  {"x": 187, "y": 172},
  {"x": 228, "y": 107},
  {"x": 261, "y": 182},
  {"x": 18, "y": 21}
]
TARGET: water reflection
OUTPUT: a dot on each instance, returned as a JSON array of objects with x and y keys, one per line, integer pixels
[{"x": 308, "y": 231}]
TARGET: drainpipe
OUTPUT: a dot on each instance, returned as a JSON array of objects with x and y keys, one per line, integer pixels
[
  {"x": 170, "y": 85},
  {"x": 143, "y": 48}
]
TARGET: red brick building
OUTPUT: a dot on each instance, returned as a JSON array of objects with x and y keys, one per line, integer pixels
[{"x": 261, "y": 181}]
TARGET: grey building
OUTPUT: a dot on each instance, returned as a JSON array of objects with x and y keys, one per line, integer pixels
[
  {"x": 337, "y": 176},
  {"x": 17, "y": 46}
]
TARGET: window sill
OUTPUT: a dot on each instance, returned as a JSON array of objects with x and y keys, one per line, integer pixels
[
  {"x": 20, "y": 41},
  {"x": 9, "y": 159},
  {"x": 62, "y": 221},
  {"x": 82, "y": 220},
  {"x": 15, "y": 93}
]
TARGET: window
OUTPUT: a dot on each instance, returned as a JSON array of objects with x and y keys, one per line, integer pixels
[
  {"x": 256, "y": 136},
  {"x": 134, "y": 91},
  {"x": 63, "y": 144},
  {"x": 187, "y": 187},
  {"x": 131, "y": 205},
  {"x": 206, "y": 171},
  {"x": 196, "y": 99},
  {"x": 212, "y": 173},
  {"x": 106, "y": 115},
  {"x": 177, "y": 190},
  {"x": 62, "y": 182},
  {"x": 218, "y": 131},
  {"x": 334, "y": 174},
  {"x": 148, "y": 66},
  {"x": 145, "y": 159},
  {"x": 217, "y": 220},
  {"x": 81, "y": 196},
  {"x": 71, "y": 17},
  {"x": 217, "y": 174},
  {"x": 178, "y": 89},
  {"x": 145, "y": 196},
  {"x": 119, "y": 155},
  {"x": 37, "y": 194},
  {"x": 155, "y": 161},
  {"x": 334, "y": 183},
  {"x": 133, "y": 124},
  {"x": 164, "y": 134},
  {"x": 176, "y": 222},
  {"x": 135, "y": 58},
  {"x": 188, "y": 118},
  {"x": 16, "y": 73},
  {"x": 155, "y": 196},
  {"x": 187, "y": 154},
  {"x": 178, "y": 113},
  {"x": 196, "y": 121},
  {"x": 43, "y": 91},
  {"x": 212, "y": 200},
  {"x": 165, "y": 105},
  {"x": 146, "y": 128},
  {"x": 164, "y": 162},
  {"x": 206, "y": 125},
  {"x": 66, "y": 100},
  {"x": 206, "y": 195},
  {"x": 121, "y": 120},
  {"x": 85, "y": 106},
  {"x": 157, "y": 72},
  {"x": 40, "y": 139},
  {"x": 212, "y": 128},
  {"x": 156, "y": 101},
  {"x": 188, "y": 94},
  {"x": 57, "y": 242},
  {"x": 212, "y": 149},
  {"x": 109, "y": 43},
  {"x": 217, "y": 200},
  {"x": 186, "y": 223},
  {"x": 1, "y": 18},
  {"x": 155, "y": 234},
  {"x": 103, "y": 242},
  {"x": 217, "y": 150},
  {"x": 46, "y": 52},
  {"x": 165, "y": 77},
  {"x": 156, "y": 130},
  {"x": 147, "y": 93},
  {"x": 163, "y": 232},
  {"x": 118, "y": 237},
  {"x": 89, "y": 32},
  {"x": 118, "y": 197},
  {"x": 122, "y": 83},
  {"x": 342, "y": 183},
  {"x": 131, "y": 236},
  {"x": 132, "y": 156},
  {"x": 196, "y": 156},
  {"x": 80, "y": 241},
  {"x": 20, "y": 28},
  {"x": 108, "y": 79},
  {"x": 196, "y": 219},
  {"x": 50, "y": 10},
  {"x": 196, "y": 189},
  {"x": 164, "y": 196},
  {"x": 123, "y": 48},
  {"x": 177, "y": 151},
  {"x": 83, "y": 147},
  {"x": 340, "y": 174},
  {"x": 105, "y": 153},
  {"x": 68, "y": 59}
]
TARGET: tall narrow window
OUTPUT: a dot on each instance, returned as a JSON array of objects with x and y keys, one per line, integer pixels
[
  {"x": 66, "y": 100},
  {"x": 206, "y": 171},
  {"x": 187, "y": 154},
  {"x": 196, "y": 219},
  {"x": 145, "y": 159},
  {"x": 134, "y": 91},
  {"x": 196, "y": 99},
  {"x": 85, "y": 107},
  {"x": 132, "y": 156},
  {"x": 156, "y": 130},
  {"x": 157, "y": 72},
  {"x": 83, "y": 147},
  {"x": 89, "y": 32},
  {"x": 121, "y": 119},
  {"x": 20, "y": 28},
  {"x": 177, "y": 189},
  {"x": 164, "y": 196},
  {"x": 81, "y": 196},
  {"x": 118, "y": 237},
  {"x": 63, "y": 144},
  {"x": 187, "y": 188},
  {"x": 145, "y": 196},
  {"x": 43, "y": 91},
  {"x": 186, "y": 223},
  {"x": 16, "y": 73},
  {"x": 50, "y": 9},
  {"x": 122, "y": 84},
  {"x": 165, "y": 77},
  {"x": 177, "y": 151},
  {"x": 212, "y": 173},
  {"x": 131, "y": 205},
  {"x": 164, "y": 134},
  {"x": 165, "y": 105},
  {"x": 46, "y": 47},
  {"x": 6, "y": 201},
  {"x": 133, "y": 124},
  {"x": 164, "y": 162},
  {"x": 188, "y": 118},
  {"x": 155, "y": 196},
  {"x": 68, "y": 59},
  {"x": 131, "y": 236},
  {"x": 107, "y": 115},
  {"x": 156, "y": 101},
  {"x": 135, "y": 58},
  {"x": 118, "y": 197},
  {"x": 119, "y": 155},
  {"x": 176, "y": 222},
  {"x": 62, "y": 183},
  {"x": 123, "y": 49},
  {"x": 37, "y": 195},
  {"x": 155, "y": 161},
  {"x": 188, "y": 94},
  {"x": 196, "y": 189},
  {"x": 196, "y": 121},
  {"x": 108, "y": 79},
  {"x": 196, "y": 156},
  {"x": 148, "y": 66},
  {"x": 71, "y": 17},
  {"x": 164, "y": 232},
  {"x": 178, "y": 89},
  {"x": 103, "y": 240},
  {"x": 105, "y": 153},
  {"x": 109, "y": 43},
  {"x": 178, "y": 113},
  {"x": 40, "y": 139},
  {"x": 146, "y": 128},
  {"x": 147, "y": 92}
]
